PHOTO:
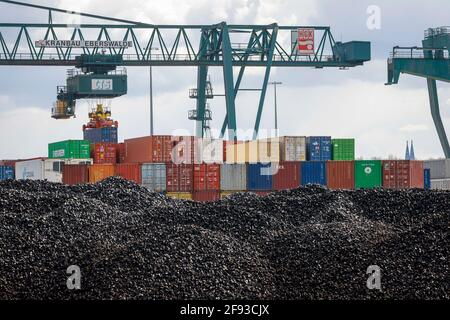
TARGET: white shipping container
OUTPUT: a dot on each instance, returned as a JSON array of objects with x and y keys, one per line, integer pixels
[
  {"x": 233, "y": 177},
  {"x": 440, "y": 184},
  {"x": 268, "y": 150},
  {"x": 45, "y": 169},
  {"x": 439, "y": 169},
  {"x": 293, "y": 149},
  {"x": 208, "y": 151}
]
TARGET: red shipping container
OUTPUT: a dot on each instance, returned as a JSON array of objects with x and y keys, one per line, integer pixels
[
  {"x": 206, "y": 177},
  {"x": 287, "y": 176},
  {"x": 340, "y": 175},
  {"x": 129, "y": 171},
  {"x": 121, "y": 152},
  {"x": 179, "y": 177},
  {"x": 104, "y": 153},
  {"x": 206, "y": 196},
  {"x": 75, "y": 174},
  {"x": 403, "y": 174}
]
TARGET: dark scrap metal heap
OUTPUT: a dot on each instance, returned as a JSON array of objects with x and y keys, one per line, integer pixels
[{"x": 308, "y": 243}]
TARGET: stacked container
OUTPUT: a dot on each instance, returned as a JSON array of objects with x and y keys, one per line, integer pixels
[
  {"x": 129, "y": 171},
  {"x": 104, "y": 153},
  {"x": 179, "y": 178},
  {"x": 6, "y": 173},
  {"x": 439, "y": 173},
  {"x": 292, "y": 149},
  {"x": 340, "y": 175},
  {"x": 75, "y": 174},
  {"x": 343, "y": 149},
  {"x": 206, "y": 182},
  {"x": 99, "y": 172},
  {"x": 287, "y": 176},
  {"x": 259, "y": 176},
  {"x": 318, "y": 148},
  {"x": 101, "y": 135},
  {"x": 208, "y": 151},
  {"x": 368, "y": 174},
  {"x": 314, "y": 172},
  {"x": 403, "y": 174},
  {"x": 154, "y": 176},
  {"x": 233, "y": 177},
  {"x": 426, "y": 179},
  {"x": 69, "y": 149},
  {"x": 153, "y": 149}
]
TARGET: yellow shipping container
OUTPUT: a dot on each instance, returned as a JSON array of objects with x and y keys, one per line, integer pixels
[
  {"x": 180, "y": 195},
  {"x": 236, "y": 153},
  {"x": 99, "y": 172},
  {"x": 225, "y": 194},
  {"x": 269, "y": 150},
  {"x": 255, "y": 151}
]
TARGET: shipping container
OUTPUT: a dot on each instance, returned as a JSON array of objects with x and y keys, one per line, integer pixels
[
  {"x": 262, "y": 193},
  {"x": 260, "y": 176},
  {"x": 101, "y": 135},
  {"x": 403, "y": 174},
  {"x": 343, "y": 149},
  {"x": 69, "y": 149},
  {"x": 426, "y": 179},
  {"x": 233, "y": 177},
  {"x": 368, "y": 174},
  {"x": 208, "y": 151},
  {"x": 292, "y": 149},
  {"x": 440, "y": 184},
  {"x": 439, "y": 169},
  {"x": 340, "y": 175},
  {"x": 287, "y": 176},
  {"x": 99, "y": 172},
  {"x": 179, "y": 177},
  {"x": 206, "y": 177},
  {"x": 120, "y": 153},
  {"x": 75, "y": 174},
  {"x": 179, "y": 195},
  {"x": 154, "y": 176},
  {"x": 40, "y": 169},
  {"x": 225, "y": 194},
  {"x": 268, "y": 151},
  {"x": 129, "y": 171},
  {"x": 104, "y": 153},
  {"x": 318, "y": 148},
  {"x": 206, "y": 196},
  {"x": 236, "y": 152},
  {"x": 183, "y": 150},
  {"x": 6, "y": 173},
  {"x": 313, "y": 172}
]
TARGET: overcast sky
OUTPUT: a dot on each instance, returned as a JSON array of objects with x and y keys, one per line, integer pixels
[{"x": 350, "y": 103}]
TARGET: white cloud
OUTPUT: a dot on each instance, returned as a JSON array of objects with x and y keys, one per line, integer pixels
[{"x": 413, "y": 128}]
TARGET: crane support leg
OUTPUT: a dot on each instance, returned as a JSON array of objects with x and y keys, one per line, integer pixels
[
  {"x": 434, "y": 104},
  {"x": 229, "y": 84},
  {"x": 202, "y": 74},
  {"x": 273, "y": 42}
]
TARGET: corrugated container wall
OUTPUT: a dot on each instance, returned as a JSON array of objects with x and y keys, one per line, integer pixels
[
  {"x": 179, "y": 177},
  {"x": 6, "y": 173},
  {"x": 154, "y": 176},
  {"x": 99, "y": 135},
  {"x": 314, "y": 172},
  {"x": 235, "y": 152},
  {"x": 287, "y": 176},
  {"x": 260, "y": 176},
  {"x": 99, "y": 172},
  {"x": 440, "y": 184},
  {"x": 183, "y": 150},
  {"x": 206, "y": 196},
  {"x": 426, "y": 179},
  {"x": 104, "y": 153},
  {"x": 206, "y": 177},
  {"x": 69, "y": 149},
  {"x": 121, "y": 152},
  {"x": 40, "y": 169},
  {"x": 156, "y": 149},
  {"x": 368, "y": 174},
  {"x": 439, "y": 169},
  {"x": 209, "y": 151},
  {"x": 403, "y": 174},
  {"x": 318, "y": 148},
  {"x": 343, "y": 149},
  {"x": 340, "y": 175},
  {"x": 75, "y": 174},
  {"x": 129, "y": 171},
  {"x": 233, "y": 177},
  {"x": 292, "y": 149},
  {"x": 180, "y": 195},
  {"x": 268, "y": 150}
]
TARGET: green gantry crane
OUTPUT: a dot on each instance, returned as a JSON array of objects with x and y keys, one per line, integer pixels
[
  {"x": 203, "y": 46},
  {"x": 430, "y": 61}
]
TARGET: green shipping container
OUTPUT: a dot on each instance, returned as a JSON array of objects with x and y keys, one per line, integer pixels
[
  {"x": 368, "y": 174},
  {"x": 69, "y": 149},
  {"x": 343, "y": 149}
]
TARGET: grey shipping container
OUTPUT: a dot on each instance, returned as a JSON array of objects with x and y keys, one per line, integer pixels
[
  {"x": 293, "y": 149},
  {"x": 440, "y": 184},
  {"x": 154, "y": 176},
  {"x": 233, "y": 177},
  {"x": 439, "y": 169}
]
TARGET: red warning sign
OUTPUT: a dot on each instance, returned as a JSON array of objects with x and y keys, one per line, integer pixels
[{"x": 305, "y": 41}]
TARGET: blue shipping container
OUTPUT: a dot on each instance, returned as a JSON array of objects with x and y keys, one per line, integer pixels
[
  {"x": 427, "y": 179},
  {"x": 314, "y": 172},
  {"x": 318, "y": 148},
  {"x": 6, "y": 173},
  {"x": 259, "y": 176},
  {"x": 99, "y": 135}
]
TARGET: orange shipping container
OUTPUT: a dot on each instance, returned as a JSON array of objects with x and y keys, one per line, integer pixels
[
  {"x": 121, "y": 152},
  {"x": 75, "y": 174},
  {"x": 99, "y": 172},
  {"x": 129, "y": 171},
  {"x": 341, "y": 174},
  {"x": 206, "y": 196},
  {"x": 403, "y": 174},
  {"x": 206, "y": 177}
]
